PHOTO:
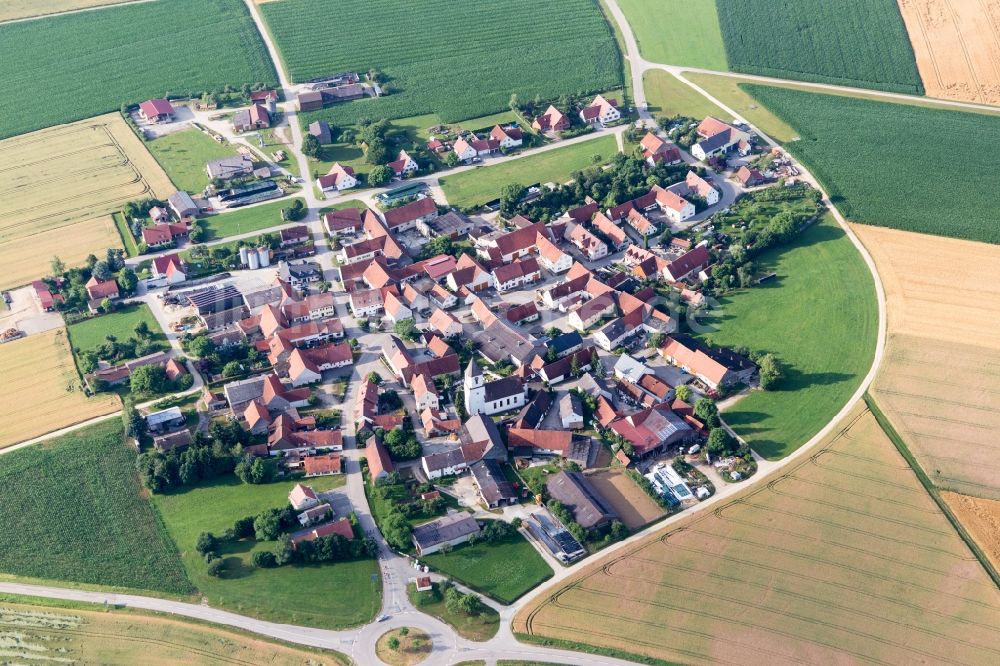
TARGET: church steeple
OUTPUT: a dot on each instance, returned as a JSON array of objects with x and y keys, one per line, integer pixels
[{"x": 473, "y": 375}]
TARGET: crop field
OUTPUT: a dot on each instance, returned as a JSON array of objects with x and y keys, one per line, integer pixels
[
  {"x": 632, "y": 503},
  {"x": 939, "y": 384},
  {"x": 40, "y": 378},
  {"x": 19, "y": 9},
  {"x": 88, "y": 334},
  {"x": 34, "y": 633},
  {"x": 820, "y": 317},
  {"x": 67, "y": 68},
  {"x": 503, "y": 571},
  {"x": 57, "y": 187},
  {"x": 183, "y": 156},
  {"x": 477, "y": 186},
  {"x": 957, "y": 46},
  {"x": 961, "y": 203},
  {"x": 677, "y": 32},
  {"x": 90, "y": 522},
  {"x": 667, "y": 96},
  {"x": 844, "y": 558},
  {"x": 981, "y": 517},
  {"x": 859, "y": 43},
  {"x": 440, "y": 71},
  {"x": 331, "y": 596}
]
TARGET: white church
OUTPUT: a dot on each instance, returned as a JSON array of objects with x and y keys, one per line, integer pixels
[{"x": 499, "y": 395}]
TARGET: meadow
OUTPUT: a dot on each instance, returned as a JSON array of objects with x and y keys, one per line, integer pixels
[
  {"x": 938, "y": 384},
  {"x": 820, "y": 317},
  {"x": 58, "y": 187},
  {"x": 146, "y": 49},
  {"x": 245, "y": 220},
  {"x": 43, "y": 630},
  {"x": 441, "y": 69},
  {"x": 668, "y": 96},
  {"x": 330, "y": 596},
  {"x": 72, "y": 509},
  {"x": 677, "y": 32},
  {"x": 477, "y": 186},
  {"x": 480, "y": 627},
  {"x": 503, "y": 571},
  {"x": 859, "y": 43},
  {"x": 842, "y": 558},
  {"x": 40, "y": 378},
  {"x": 88, "y": 334},
  {"x": 886, "y": 181},
  {"x": 183, "y": 156}
]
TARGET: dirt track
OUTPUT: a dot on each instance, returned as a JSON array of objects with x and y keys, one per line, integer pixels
[{"x": 957, "y": 47}]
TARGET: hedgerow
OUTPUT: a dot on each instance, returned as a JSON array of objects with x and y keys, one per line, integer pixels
[
  {"x": 456, "y": 59},
  {"x": 65, "y": 68}
]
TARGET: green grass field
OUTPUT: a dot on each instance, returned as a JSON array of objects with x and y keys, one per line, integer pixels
[
  {"x": 477, "y": 186},
  {"x": 245, "y": 220},
  {"x": 860, "y": 43},
  {"x": 435, "y": 69},
  {"x": 668, "y": 96},
  {"x": 128, "y": 240},
  {"x": 84, "y": 64},
  {"x": 876, "y": 160},
  {"x": 89, "y": 334},
  {"x": 480, "y": 627},
  {"x": 820, "y": 316},
  {"x": 677, "y": 32},
  {"x": 503, "y": 571},
  {"x": 331, "y": 596},
  {"x": 183, "y": 156},
  {"x": 72, "y": 509}
]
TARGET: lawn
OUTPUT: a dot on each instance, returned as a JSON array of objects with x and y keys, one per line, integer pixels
[
  {"x": 245, "y": 220},
  {"x": 128, "y": 240},
  {"x": 503, "y": 571},
  {"x": 668, "y": 96},
  {"x": 550, "y": 53},
  {"x": 677, "y": 32},
  {"x": 89, "y": 334},
  {"x": 145, "y": 49},
  {"x": 820, "y": 317},
  {"x": 482, "y": 184},
  {"x": 729, "y": 91},
  {"x": 183, "y": 156},
  {"x": 73, "y": 510},
  {"x": 40, "y": 378},
  {"x": 331, "y": 596},
  {"x": 480, "y": 627},
  {"x": 60, "y": 631},
  {"x": 888, "y": 179},
  {"x": 859, "y": 43}
]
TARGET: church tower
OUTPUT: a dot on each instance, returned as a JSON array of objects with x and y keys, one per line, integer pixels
[{"x": 475, "y": 391}]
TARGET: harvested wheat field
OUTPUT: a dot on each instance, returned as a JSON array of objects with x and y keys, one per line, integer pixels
[
  {"x": 844, "y": 558},
  {"x": 981, "y": 517},
  {"x": 939, "y": 383},
  {"x": 18, "y": 9},
  {"x": 71, "y": 243},
  {"x": 40, "y": 379},
  {"x": 957, "y": 46},
  {"x": 32, "y": 634},
  {"x": 66, "y": 179},
  {"x": 632, "y": 504}
]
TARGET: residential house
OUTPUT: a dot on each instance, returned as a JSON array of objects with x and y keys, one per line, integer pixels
[
  {"x": 652, "y": 430},
  {"x": 469, "y": 275},
  {"x": 379, "y": 463},
  {"x": 366, "y": 303},
  {"x": 688, "y": 263},
  {"x": 715, "y": 367},
  {"x": 425, "y": 393},
  {"x": 98, "y": 290},
  {"x": 173, "y": 441},
  {"x": 442, "y": 298},
  {"x": 551, "y": 257},
  {"x": 565, "y": 343},
  {"x": 305, "y": 366},
  {"x": 590, "y": 245},
  {"x": 300, "y": 274},
  {"x": 315, "y": 515},
  {"x": 749, "y": 177},
  {"x": 675, "y": 207},
  {"x": 255, "y": 118},
  {"x": 444, "y": 463},
  {"x": 657, "y": 151},
  {"x": 445, "y": 323},
  {"x": 451, "y": 530},
  {"x": 157, "y": 235},
  {"x": 614, "y": 334},
  {"x": 517, "y": 274},
  {"x": 403, "y": 165},
  {"x": 168, "y": 267},
  {"x": 562, "y": 369},
  {"x": 553, "y": 120},
  {"x": 530, "y": 442},
  {"x": 156, "y": 111},
  {"x": 324, "y": 464},
  {"x": 642, "y": 224},
  {"x": 590, "y": 312},
  {"x": 571, "y": 411},
  {"x": 452, "y": 224},
  {"x": 394, "y": 308},
  {"x": 321, "y": 130},
  {"x": 337, "y": 179},
  {"x": 508, "y": 137},
  {"x": 302, "y": 497},
  {"x": 615, "y": 234},
  {"x": 342, "y": 528},
  {"x": 522, "y": 314},
  {"x": 344, "y": 221},
  {"x": 531, "y": 414},
  {"x": 406, "y": 217},
  {"x": 294, "y": 235},
  {"x": 718, "y": 138},
  {"x": 601, "y": 111}
]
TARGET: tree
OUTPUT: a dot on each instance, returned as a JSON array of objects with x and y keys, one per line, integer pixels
[
  {"x": 200, "y": 346},
  {"x": 232, "y": 369},
  {"x": 618, "y": 531},
  {"x": 264, "y": 559},
  {"x": 377, "y": 152},
  {"x": 683, "y": 392},
  {"x": 135, "y": 425},
  {"x": 102, "y": 271},
  {"x": 574, "y": 366},
  {"x": 656, "y": 340},
  {"x": 513, "y": 103},
  {"x": 379, "y": 176},
  {"x": 510, "y": 196},
  {"x": 772, "y": 371},
  {"x": 107, "y": 306},
  {"x": 127, "y": 281},
  {"x": 311, "y": 146},
  {"x": 285, "y": 552},
  {"x": 720, "y": 442},
  {"x": 206, "y": 543},
  {"x": 450, "y": 159},
  {"x": 243, "y": 528},
  {"x": 406, "y": 329},
  {"x": 393, "y": 643},
  {"x": 397, "y": 530},
  {"x": 267, "y": 526},
  {"x": 216, "y": 568},
  {"x": 148, "y": 379},
  {"x": 58, "y": 267},
  {"x": 437, "y": 245},
  {"x": 374, "y": 377},
  {"x": 707, "y": 412},
  {"x": 142, "y": 329}
]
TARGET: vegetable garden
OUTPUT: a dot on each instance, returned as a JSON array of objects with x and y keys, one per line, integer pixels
[
  {"x": 75, "y": 66},
  {"x": 860, "y": 43},
  {"x": 457, "y": 59}
]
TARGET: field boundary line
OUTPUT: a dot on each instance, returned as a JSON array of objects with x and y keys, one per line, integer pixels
[{"x": 931, "y": 489}]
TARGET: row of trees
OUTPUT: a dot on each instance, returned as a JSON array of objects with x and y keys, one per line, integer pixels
[{"x": 208, "y": 457}]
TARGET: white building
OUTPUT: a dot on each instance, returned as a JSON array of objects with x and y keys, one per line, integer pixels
[{"x": 500, "y": 395}]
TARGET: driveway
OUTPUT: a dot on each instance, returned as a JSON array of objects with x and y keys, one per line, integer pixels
[{"x": 25, "y": 314}]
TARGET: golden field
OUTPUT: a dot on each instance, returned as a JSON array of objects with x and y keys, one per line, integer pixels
[
  {"x": 843, "y": 558},
  {"x": 981, "y": 517},
  {"x": 39, "y": 378},
  {"x": 939, "y": 383},
  {"x": 57, "y": 183}
]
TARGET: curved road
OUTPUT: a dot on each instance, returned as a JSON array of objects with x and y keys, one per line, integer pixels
[{"x": 395, "y": 570}]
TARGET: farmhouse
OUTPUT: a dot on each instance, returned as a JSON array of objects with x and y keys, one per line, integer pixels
[
  {"x": 553, "y": 120},
  {"x": 347, "y": 220},
  {"x": 98, "y": 290},
  {"x": 590, "y": 245},
  {"x": 601, "y": 111},
  {"x": 403, "y": 165},
  {"x": 156, "y": 111},
  {"x": 494, "y": 488},
  {"x": 718, "y": 138},
  {"x": 321, "y": 130},
  {"x": 379, "y": 463},
  {"x": 324, "y": 464},
  {"x": 715, "y": 367},
  {"x": 255, "y": 118},
  {"x": 453, "y": 529},
  {"x": 578, "y": 495},
  {"x": 750, "y": 177},
  {"x": 183, "y": 205},
  {"x": 406, "y": 217},
  {"x": 337, "y": 179},
  {"x": 688, "y": 263},
  {"x": 168, "y": 267},
  {"x": 165, "y": 419},
  {"x": 652, "y": 430},
  {"x": 657, "y": 151},
  {"x": 314, "y": 515}
]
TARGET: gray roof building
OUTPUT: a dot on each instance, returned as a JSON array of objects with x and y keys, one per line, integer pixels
[
  {"x": 321, "y": 130},
  {"x": 453, "y": 529},
  {"x": 494, "y": 487},
  {"x": 230, "y": 167},
  {"x": 182, "y": 204},
  {"x": 576, "y": 492}
]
